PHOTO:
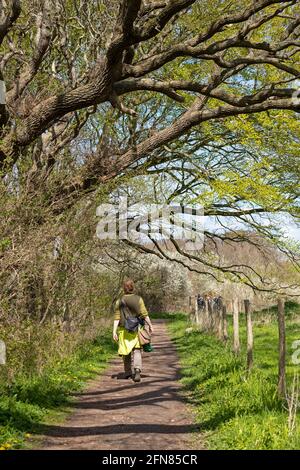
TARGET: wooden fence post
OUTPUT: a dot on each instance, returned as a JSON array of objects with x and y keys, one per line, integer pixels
[
  {"x": 201, "y": 315},
  {"x": 249, "y": 334},
  {"x": 206, "y": 316},
  {"x": 210, "y": 315},
  {"x": 236, "y": 335},
  {"x": 220, "y": 318},
  {"x": 191, "y": 312},
  {"x": 196, "y": 311},
  {"x": 214, "y": 317},
  {"x": 2, "y": 353},
  {"x": 282, "y": 349},
  {"x": 225, "y": 326}
]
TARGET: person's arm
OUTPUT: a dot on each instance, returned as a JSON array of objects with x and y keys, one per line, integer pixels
[
  {"x": 117, "y": 318},
  {"x": 145, "y": 315},
  {"x": 147, "y": 320},
  {"x": 115, "y": 334}
]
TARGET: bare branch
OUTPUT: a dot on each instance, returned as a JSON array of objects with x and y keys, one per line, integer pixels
[{"x": 10, "y": 19}]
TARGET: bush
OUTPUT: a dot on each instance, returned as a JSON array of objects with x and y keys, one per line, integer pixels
[{"x": 36, "y": 394}]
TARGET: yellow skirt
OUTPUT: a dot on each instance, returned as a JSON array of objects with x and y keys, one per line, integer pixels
[{"x": 127, "y": 341}]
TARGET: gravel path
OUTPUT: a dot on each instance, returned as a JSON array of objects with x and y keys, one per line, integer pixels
[{"x": 119, "y": 414}]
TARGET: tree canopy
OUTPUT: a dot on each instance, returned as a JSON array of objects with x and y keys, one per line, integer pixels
[{"x": 198, "y": 100}]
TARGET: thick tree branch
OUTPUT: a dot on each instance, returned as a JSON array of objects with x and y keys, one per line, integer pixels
[
  {"x": 6, "y": 22},
  {"x": 159, "y": 22},
  {"x": 42, "y": 41},
  {"x": 112, "y": 78}
]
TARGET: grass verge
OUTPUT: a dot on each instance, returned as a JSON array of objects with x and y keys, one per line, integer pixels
[
  {"x": 31, "y": 401},
  {"x": 233, "y": 409}
]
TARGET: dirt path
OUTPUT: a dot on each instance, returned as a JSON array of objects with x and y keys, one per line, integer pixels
[{"x": 114, "y": 413}]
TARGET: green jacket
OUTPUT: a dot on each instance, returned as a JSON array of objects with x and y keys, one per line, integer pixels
[{"x": 135, "y": 305}]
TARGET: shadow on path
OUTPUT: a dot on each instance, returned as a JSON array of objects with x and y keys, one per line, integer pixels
[{"x": 121, "y": 415}]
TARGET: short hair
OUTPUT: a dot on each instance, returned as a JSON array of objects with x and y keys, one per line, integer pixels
[{"x": 128, "y": 286}]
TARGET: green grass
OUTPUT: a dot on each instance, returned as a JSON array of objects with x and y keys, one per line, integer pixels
[
  {"x": 31, "y": 401},
  {"x": 233, "y": 409},
  {"x": 165, "y": 315},
  {"x": 292, "y": 312}
]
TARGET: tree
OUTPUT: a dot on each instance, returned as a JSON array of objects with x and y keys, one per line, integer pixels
[
  {"x": 71, "y": 69},
  {"x": 99, "y": 93}
]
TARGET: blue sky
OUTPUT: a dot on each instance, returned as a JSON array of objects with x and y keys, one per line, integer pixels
[{"x": 283, "y": 221}]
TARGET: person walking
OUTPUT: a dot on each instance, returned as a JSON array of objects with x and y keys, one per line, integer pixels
[
  {"x": 130, "y": 306},
  {"x": 200, "y": 302}
]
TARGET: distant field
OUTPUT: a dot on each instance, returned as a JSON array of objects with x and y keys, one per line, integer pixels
[{"x": 233, "y": 410}]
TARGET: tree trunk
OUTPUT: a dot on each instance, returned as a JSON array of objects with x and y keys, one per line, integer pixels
[
  {"x": 249, "y": 334},
  {"x": 282, "y": 349},
  {"x": 236, "y": 335}
]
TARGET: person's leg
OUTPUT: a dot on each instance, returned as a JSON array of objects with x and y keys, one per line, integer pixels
[
  {"x": 137, "y": 364},
  {"x": 137, "y": 359},
  {"x": 127, "y": 365}
]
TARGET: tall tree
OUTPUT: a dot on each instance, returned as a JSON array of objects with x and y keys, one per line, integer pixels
[
  {"x": 203, "y": 91},
  {"x": 61, "y": 58}
]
